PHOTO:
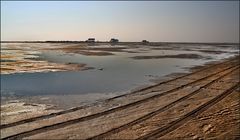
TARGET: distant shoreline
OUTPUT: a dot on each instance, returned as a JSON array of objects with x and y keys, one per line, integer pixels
[{"x": 121, "y": 43}]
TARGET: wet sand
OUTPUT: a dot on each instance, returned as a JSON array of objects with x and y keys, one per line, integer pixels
[
  {"x": 97, "y": 51},
  {"x": 182, "y": 56},
  {"x": 24, "y": 60}
]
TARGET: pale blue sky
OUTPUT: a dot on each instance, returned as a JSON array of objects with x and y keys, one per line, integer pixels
[{"x": 215, "y": 21}]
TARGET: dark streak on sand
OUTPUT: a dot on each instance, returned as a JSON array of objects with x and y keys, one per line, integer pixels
[
  {"x": 103, "y": 51},
  {"x": 183, "y": 56}
]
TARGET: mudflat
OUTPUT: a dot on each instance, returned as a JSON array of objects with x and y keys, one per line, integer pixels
[{"x": 203, "y": 104}]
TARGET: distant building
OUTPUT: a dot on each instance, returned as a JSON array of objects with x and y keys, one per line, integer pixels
[
  {"x": 145, "y": 41},
  {"x": 113, "y": 40},
  {"x": 90, "y": 40}
]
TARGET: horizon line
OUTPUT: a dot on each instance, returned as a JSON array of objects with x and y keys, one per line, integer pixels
[{"x": 80, "y": 41}]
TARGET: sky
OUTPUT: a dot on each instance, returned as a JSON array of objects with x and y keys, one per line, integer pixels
[{"x": 166, "y": 21}]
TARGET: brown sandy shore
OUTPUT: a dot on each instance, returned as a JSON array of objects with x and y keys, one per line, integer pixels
[
  {"x": 203, "y": 104},
  {"x": 19, "y": 59}
]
